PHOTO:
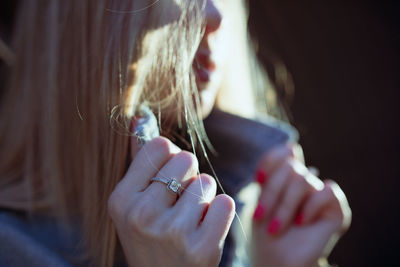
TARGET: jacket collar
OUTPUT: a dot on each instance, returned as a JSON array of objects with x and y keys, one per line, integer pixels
[{"x": 240, "y": 143}]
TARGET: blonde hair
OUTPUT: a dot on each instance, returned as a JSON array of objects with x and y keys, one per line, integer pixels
[
  {"x": 246, "y": 83},
  {"x": 79, "y": 72}
]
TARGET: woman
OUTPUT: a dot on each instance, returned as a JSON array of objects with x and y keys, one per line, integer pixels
[{"x": 77, "y": 188}]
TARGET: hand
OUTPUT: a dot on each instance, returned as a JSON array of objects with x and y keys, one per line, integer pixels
[
  {"x": 157, "y": 229},
  {"x": 299, "y": 218}
]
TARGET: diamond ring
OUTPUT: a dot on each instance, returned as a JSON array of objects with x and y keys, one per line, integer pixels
[{"x": 172, "y": 184}]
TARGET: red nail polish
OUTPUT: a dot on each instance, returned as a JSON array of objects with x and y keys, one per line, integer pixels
[
  {"x": 299, "y": 219},
  {"x": 261, "y": 177},
  {"x": 259, "y": 212},
  {"x": 273, "y": 226}
]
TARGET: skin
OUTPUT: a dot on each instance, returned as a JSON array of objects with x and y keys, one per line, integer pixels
[
  {"x": 158, "y": 229},
  {"x": 213, "y": 43},
  {"x": 311, "y": 214}
]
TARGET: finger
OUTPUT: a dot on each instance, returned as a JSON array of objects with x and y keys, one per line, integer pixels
[
  {"x": 344, "y": 204},
  {"x": 272, "y": 191},
  {"x": 293, "y": 196},
  {"x": 146, "y": 164},
  {"x": 217, "y": 221},
  {"x": 298, "y": 152},
  {"x": 329, "y": 203},
  {"x": 273, "y": 159},
  {"x": 313, "y": 170},
  {"x": 300, "y": 169},
  {"x": 316, "y": 203},
  {"x": 180, "y": 167},
  {"x": 194, "y": 201}
]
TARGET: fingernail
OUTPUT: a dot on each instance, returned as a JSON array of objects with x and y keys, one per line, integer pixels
[
  {"x": 299, "y": 219},
  {"x": 273, "y": 226},
  {"x": 258, "y": 213},
  {"x": 261, "y": 177}
]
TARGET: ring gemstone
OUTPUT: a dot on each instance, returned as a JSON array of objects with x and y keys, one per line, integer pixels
[{"x": 174, "y": 186}]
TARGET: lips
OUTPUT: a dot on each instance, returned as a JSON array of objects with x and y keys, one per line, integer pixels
[
  {"x": 204, "y": 60},
  {"x": 203, "y": 66}
]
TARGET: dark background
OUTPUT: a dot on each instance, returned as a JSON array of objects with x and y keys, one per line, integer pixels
[{"x": 344, "y": 59}]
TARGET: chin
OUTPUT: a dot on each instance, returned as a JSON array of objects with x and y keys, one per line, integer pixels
[
  {"x": 207, "y": 94},
  {"x": 206, "y": 110}
]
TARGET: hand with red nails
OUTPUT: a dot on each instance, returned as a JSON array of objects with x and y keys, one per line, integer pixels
[
  {"x": 155, "y": 227},
  {"x": 299, "y": 218}
]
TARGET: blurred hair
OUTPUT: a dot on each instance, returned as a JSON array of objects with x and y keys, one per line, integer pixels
[{"x": 249, "y": 88}]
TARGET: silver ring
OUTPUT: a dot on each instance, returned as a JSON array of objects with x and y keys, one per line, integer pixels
[{"x": 172, "y": 184}]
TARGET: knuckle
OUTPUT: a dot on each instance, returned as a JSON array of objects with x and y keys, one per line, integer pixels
[
  {"x": 329, "y": 191},
  {"x": 188, "y": 159},
  {"x": 331, "y": 184},
  {"x": 205, "y": 184},
  {"x": 140, "y": 215},
  {"x": 132, "y": 220},
  {"x": 162, "y": 145},
  {"x": 115, "y": 206},
  {"x": 280, "y": 151},
  {"x": 292, "y": 172},
  {"x": 290, "y": 150},
  {"x": 225, "y": 202},
  {"x": 174, "y": 233},
  {"x": 175, "y": 229},
  {"x": 208, "y": 180},
  {"x": 299, "y": 181}
]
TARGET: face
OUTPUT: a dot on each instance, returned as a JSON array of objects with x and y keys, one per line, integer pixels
[{"x": 211, "y": 54}]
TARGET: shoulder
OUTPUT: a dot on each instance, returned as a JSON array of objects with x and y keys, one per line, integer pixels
[
  {"x": 261, "y": 129},
  {"x": 33, "y": 241}
]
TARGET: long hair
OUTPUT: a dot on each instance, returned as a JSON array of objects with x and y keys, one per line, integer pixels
[
  {"x": 78, "y": 72},
  {"x": 258, "y": 89},
  {"x": 80, "y": 69}
]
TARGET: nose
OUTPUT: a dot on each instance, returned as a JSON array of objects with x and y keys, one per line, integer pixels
[{"x": 213, "y": 17}]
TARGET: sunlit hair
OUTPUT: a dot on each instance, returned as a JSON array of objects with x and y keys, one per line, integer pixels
[
  {"x": 246, "y": 88},
  {"x": 79, "y": 72}
]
